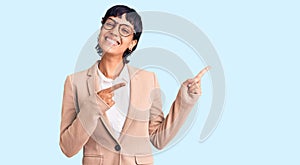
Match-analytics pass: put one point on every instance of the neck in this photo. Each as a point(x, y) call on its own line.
point(111, 66)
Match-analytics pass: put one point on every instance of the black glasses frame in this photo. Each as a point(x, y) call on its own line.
point(110, 27)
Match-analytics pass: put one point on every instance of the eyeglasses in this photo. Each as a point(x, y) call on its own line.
point(124, 30)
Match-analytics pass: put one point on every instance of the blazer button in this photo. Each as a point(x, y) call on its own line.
point(117, 147)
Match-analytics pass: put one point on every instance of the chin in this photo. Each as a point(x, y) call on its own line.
point(112, 52)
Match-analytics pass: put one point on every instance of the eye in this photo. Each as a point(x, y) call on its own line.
point(125, 30)
point(109, 25)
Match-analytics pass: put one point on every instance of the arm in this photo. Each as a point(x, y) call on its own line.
point(163, 130)
point(76, 128)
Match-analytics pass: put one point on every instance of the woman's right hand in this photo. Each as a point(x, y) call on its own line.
point(107, 94)
point(194, 84)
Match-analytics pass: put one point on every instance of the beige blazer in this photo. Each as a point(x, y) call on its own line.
point(85, 125)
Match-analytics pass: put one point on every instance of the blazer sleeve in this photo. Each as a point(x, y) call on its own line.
point(76, 128)
point(162, 130)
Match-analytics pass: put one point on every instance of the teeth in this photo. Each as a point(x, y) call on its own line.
point(113, 42)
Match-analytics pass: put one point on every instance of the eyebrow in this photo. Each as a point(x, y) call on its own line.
point(121, 23)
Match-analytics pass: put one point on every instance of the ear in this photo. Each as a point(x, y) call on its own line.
point(132, 44)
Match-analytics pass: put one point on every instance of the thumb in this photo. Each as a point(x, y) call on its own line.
point(188, 81)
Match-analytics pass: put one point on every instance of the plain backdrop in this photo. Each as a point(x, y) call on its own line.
point(257, 43)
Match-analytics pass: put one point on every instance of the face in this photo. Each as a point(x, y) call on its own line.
point(116, 36)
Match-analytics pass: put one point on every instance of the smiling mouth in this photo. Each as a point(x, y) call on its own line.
point(112, 41)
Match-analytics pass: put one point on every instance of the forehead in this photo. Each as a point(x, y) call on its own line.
point(121, 20)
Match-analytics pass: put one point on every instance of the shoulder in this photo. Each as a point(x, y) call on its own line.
point(78, 76)
point(83, 75)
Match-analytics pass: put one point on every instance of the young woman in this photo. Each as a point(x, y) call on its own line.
point(113, 110)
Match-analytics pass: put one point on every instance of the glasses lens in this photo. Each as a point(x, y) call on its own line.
point(109, 24)
point(125, 30)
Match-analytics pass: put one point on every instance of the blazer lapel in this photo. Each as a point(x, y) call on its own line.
point(93, 87)
point(133, 95)
point(92, 81)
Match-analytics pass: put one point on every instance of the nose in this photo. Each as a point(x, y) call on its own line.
point(115, 31)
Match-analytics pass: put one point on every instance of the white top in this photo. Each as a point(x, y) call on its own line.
point(118, 112)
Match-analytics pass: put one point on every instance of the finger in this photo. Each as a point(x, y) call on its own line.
point(202, 72)
point(111, 103)
point(194, 82)
point(109, 100)
point(191, 84)
point(195, 90)
point(104, 95)
point(111, 94)
point(115, 87)
point(107, 96)
point(194, 87)
point(188, 82)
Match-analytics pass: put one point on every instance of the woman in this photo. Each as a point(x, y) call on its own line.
point(113, 110)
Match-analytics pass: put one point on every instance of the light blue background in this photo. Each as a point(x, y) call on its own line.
point(257, 42)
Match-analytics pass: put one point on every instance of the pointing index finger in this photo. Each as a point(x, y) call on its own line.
point(202, 72)
point(117, 86)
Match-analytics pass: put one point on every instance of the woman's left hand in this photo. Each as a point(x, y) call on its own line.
point(194, 84)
